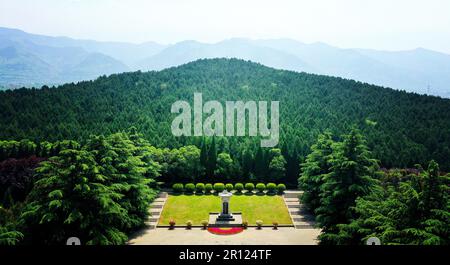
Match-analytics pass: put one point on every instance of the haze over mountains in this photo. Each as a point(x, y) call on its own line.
point(29, 59)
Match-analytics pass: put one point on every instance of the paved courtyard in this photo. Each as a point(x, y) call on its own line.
point(251, 236)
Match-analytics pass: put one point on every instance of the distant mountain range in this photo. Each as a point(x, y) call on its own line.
point(29, 59)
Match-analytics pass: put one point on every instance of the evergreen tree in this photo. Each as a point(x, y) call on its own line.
point(352, 175)
point(71, 199)
point(212, 159)
point(316, 167)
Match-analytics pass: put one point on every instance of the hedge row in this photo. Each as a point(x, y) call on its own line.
point(219, 187)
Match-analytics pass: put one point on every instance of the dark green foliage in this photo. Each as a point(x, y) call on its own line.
point(99, 193)
point(404, 212)
point(277, 165)
point(314, 171)
point(178, 187)
point(408, 128)
point(9, 234)
point(219, 187)
point(211, 159)
point(352, 175)
point(57, 208)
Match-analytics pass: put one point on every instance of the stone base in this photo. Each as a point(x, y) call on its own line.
point(216, 221)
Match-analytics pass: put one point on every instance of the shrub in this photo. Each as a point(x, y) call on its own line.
point(205, 224)
point(219, 187)
point(271, 187)
point(172, 223)
point(260, 187)
point(275, 224)
point(249, 187)
point(208, 188)
point(199, 188)
point(177, 187)
point(245, 224)
point(189, 224)
point(281, 188)
point(239, 187)
point(229, 187)
point(189, 187)
point(259, 223)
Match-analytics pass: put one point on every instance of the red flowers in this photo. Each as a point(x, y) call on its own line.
point(225, 231)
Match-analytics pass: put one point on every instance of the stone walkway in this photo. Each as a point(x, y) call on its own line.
point(251, 236)
point(156, 209)
point(300, 217)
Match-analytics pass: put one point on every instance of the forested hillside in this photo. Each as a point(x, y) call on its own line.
point(401, 128)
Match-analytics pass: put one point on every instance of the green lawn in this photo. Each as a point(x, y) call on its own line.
point(182, 208)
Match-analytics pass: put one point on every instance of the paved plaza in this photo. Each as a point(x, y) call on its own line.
point(251, 236)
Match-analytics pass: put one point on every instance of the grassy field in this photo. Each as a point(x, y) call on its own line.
point(196, 208)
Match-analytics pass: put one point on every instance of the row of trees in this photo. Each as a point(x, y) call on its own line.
point(98, 192)
point(353, 200)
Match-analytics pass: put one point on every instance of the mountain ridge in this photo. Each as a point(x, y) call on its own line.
point(419, 70)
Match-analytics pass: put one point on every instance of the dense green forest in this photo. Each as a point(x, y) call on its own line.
point(353, 200)
point(91, 156)
point(401, 128)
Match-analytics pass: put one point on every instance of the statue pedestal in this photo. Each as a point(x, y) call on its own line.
point(225, 218)
point(216, 221)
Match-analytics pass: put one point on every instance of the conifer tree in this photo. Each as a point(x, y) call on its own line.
point(71, 199)
point(352, 175)
point(314, 171)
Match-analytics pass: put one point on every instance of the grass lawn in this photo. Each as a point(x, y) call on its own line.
point(182, 208)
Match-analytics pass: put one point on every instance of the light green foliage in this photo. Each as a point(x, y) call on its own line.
point(260, 187)
point(281, 188)
point(249, 187)
point(239, 187)
point(182, 208)
point(219, 187)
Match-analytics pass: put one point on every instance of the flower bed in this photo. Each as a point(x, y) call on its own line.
point(225, 231)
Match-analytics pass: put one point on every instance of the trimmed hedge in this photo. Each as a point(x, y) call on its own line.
point(208, 188)
point(271, 187)
point(281, 188)
point(249, 187)
point(177, 187)
point(219, 187)
point(189, 188)
point(239, 187)
point(199, 188)
point(260, 187)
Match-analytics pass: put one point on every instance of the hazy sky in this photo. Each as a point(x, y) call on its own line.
point(379, 24)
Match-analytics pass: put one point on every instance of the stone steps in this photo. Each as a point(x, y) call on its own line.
point(292, 193)
point(155, 210)
point(300, 217)
point(157, 205)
